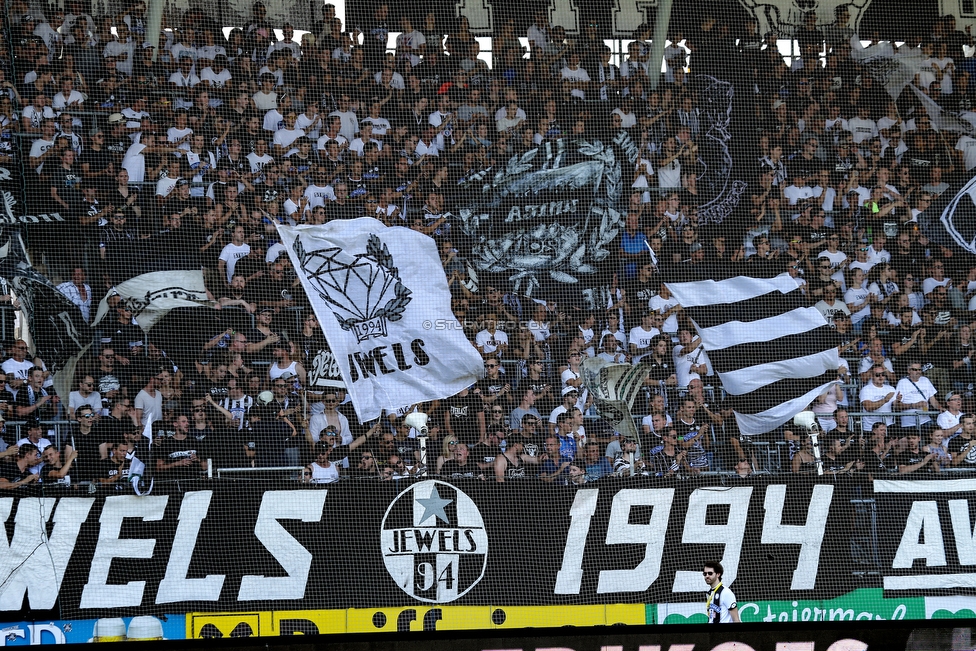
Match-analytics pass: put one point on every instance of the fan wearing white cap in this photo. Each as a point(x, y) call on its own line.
point(570, 397)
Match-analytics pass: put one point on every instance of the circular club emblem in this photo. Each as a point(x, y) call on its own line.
point(434, 542)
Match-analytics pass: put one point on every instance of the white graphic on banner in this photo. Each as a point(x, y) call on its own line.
point(434, 542)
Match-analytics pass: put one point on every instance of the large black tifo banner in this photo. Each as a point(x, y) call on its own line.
point(233, 546)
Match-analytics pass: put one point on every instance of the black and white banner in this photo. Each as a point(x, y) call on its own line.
point(151, 296)
point(382, 299)
point(247, 546)
point(771, 350)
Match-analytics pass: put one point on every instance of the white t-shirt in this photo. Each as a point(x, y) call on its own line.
point(319, 194)
point(660, 306)
point(150, 406)
point(682, 364)
point(855, 296)
point(862, 129)
point(967, 145)
point(489, 342)
point(257, 162)
point(642, 338)
point(949, 422)
point(910, 394)
point(410, 44)
point(284, 137)
point(231, 254)
point(874, 393)
point(579, 74)
point(17, 370)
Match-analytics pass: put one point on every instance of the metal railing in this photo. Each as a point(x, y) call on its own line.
point(256, 472)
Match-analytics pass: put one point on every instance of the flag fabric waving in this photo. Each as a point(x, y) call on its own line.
point(137, 469)
point(614, 387)
point(771, 351)
point(382, 299)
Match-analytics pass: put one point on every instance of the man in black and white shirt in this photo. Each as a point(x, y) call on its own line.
point(238, 404)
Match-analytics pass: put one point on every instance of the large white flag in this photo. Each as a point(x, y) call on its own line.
point(381, 296)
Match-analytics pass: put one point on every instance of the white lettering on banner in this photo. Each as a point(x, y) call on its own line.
point(808, 536)
point(97, 592)
point(730, 534)
point(306, 506)
point(4, 174)
point(570, 575)
point(651, 535)
point(566, 14)
point(923, 520)
point(37, 632)
point(962, 531)
point(628, 14)
point(175, 586)
point(18, 571)
point(478, 13)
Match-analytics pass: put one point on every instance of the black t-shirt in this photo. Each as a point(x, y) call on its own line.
point(483, 453)
point(660, 371)
point(269, 436)
point(27, 397)
point(86, 445)
point(172, 449)
point(118, 336)
point(98, 161)
point(902, 335)
point(205, 440)
point(106, 469)
point(464, 417)
point(112, 430)
point(909, 458)
point(65, 181)
point(50, 481)
point(452, 468)
point(492, 387)
point(10, 471)
point(957, 444)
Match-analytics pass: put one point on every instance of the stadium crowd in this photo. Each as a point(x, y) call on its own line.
point(183, 157)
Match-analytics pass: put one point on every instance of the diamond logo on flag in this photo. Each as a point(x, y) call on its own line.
point(364, 290)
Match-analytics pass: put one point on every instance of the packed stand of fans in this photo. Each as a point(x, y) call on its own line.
point(187, 157)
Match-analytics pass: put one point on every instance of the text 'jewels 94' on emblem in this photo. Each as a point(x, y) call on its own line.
point(363, 289)
point(434, 542)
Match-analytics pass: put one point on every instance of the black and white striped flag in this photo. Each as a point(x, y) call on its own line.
point(770, 349)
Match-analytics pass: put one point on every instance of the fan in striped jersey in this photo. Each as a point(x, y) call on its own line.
point(772, 351)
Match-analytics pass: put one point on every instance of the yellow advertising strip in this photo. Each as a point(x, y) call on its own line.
point(406, 619)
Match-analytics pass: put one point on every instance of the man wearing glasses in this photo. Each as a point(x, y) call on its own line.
point(33, 401)
point(878, 397)
point(85, 395)
point(87, 443)
point(937, 278)
point(495, 391)
point(916, 395)
point(17, 366)
point(721, 606)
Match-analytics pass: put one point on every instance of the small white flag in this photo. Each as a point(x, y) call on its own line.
point(136, 467)
point(136, 470)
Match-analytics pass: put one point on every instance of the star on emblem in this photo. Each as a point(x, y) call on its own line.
point(433, 506)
